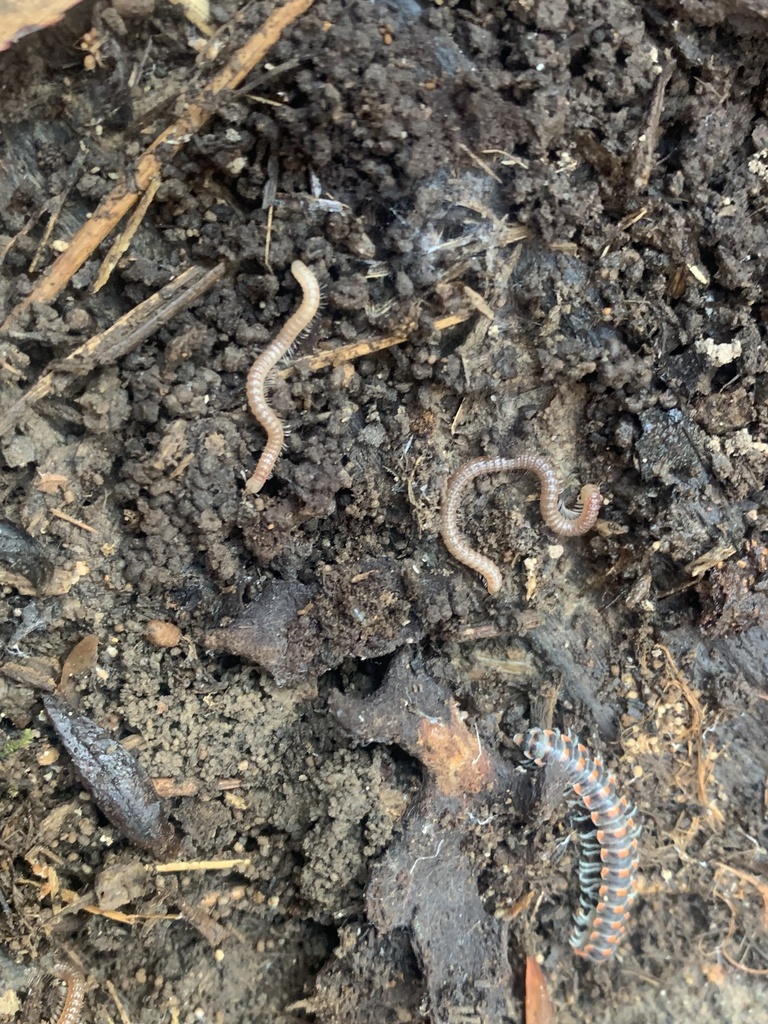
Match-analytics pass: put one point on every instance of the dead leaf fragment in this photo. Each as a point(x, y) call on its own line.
point(82, 658)
point(538, 1006)
point(50, 483)
point(120, 884)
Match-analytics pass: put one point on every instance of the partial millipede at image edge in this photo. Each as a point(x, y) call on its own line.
point(561, 520)
point(265, 363)
point(75, 982)
point(608, 867)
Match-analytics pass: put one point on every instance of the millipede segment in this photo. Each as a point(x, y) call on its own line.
point(609, 863)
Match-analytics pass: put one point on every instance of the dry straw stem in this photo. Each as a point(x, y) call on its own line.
point(67, 901)
point(174, 866)
point(114, 206)
point(120, 245)
point(125, 1019)
point(72, 521)
point(365, 347)
point(123, 336)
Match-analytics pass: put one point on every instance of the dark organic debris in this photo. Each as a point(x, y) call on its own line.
point(390, 992)
point(426, 882)
point(734, 595)
point(576, 648)
point(296, 632)
point(267, 630)
point(22, 554)
point(119, 785)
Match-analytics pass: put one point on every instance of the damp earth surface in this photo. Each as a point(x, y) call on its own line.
point(538, 227)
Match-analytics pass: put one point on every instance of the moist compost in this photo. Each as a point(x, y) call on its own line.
point(537, 227)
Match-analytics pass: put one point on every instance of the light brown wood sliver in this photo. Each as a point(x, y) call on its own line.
point(366, 347)
point(71, 520)
point(121, 243)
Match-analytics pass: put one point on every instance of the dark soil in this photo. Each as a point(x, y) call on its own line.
point(579, 190)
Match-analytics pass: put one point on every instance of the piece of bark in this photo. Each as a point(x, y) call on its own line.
point(426, 881)
point(296, 632)
point(121, 788)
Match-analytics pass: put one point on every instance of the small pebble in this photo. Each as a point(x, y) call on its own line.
point(162, 634)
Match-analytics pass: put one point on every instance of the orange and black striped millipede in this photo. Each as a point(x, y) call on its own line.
point(608, 867)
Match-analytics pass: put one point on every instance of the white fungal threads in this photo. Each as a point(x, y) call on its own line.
point(272, 354)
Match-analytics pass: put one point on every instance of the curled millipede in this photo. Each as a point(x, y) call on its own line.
point(608, 867)
point(564, 521)
point(257, 376)
point(73, 978)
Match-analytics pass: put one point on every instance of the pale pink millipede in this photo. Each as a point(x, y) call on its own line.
point(73, 1000)
point(561, 520)
point(272, 354)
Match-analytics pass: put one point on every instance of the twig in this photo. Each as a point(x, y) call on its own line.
point(123, 336)
point(114, 206)
point(171, 867)
point(71, 520)
point(366, 347)
point(642, 158)
point(121, 243)
point(480, 163)
point(117, 1001)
